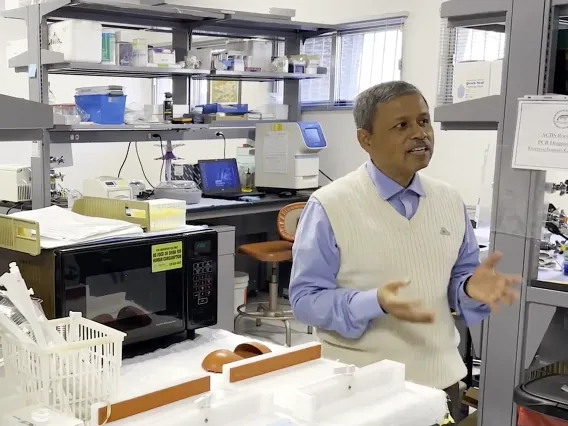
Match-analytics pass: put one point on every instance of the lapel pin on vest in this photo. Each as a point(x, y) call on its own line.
point(444, 231)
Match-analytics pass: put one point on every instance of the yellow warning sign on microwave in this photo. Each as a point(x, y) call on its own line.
point(167, 257)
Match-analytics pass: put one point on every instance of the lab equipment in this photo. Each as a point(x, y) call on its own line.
point(107, 187)
point(140, 52)
point(246, 165)
point(287, 155)
point(31, 366)
point(109, 47)
point(168, 108)
point(187, 191)
point(15, 183)
point(148, 287)
point(220, 179)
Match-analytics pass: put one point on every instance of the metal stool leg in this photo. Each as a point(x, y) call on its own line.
point(260, 308)
point(237, 318)
point(273, 289)
point(288, 333)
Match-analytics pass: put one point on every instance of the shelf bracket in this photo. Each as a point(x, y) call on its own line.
point(24, 60)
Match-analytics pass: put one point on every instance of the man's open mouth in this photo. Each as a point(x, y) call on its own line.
point(421, 150)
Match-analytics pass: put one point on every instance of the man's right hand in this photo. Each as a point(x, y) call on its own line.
point(404, 310)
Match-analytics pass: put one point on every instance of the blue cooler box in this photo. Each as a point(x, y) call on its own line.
point(102, 109)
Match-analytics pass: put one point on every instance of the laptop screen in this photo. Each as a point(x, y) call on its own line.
point(218, 176)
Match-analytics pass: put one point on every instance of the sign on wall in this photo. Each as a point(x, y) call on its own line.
point(541, 139)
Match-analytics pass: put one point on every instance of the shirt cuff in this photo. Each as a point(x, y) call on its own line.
point(365, 306)
point(464, 301)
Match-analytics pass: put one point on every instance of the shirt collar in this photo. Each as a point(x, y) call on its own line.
point(388, 188)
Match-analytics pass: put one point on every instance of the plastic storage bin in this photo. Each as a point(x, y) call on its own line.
point(71, 376)
point(102, 109)
point(241, 289)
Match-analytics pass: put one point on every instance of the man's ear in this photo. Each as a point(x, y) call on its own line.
point(364, 138)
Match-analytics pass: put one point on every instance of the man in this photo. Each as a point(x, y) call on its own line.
point(384, 254)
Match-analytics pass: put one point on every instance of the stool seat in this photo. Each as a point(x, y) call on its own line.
point(270, 251)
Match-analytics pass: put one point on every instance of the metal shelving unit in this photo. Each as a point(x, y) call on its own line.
point(182, 22)
point(15, 126)
point(532, 334)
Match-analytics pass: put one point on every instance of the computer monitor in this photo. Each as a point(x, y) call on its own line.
point(219, 176)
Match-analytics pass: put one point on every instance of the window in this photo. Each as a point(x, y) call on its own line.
point(358, 57)
point(198, 90)
point(479, 45)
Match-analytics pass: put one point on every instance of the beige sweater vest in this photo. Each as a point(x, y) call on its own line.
point(378, 245)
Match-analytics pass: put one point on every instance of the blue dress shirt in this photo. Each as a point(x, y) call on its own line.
point(314, 294)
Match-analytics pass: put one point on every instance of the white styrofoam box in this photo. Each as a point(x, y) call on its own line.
point(471, 80)
point(365, 385)
point(79, 41)
point(496, 77)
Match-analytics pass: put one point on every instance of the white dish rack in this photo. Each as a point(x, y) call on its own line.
point(69, 376)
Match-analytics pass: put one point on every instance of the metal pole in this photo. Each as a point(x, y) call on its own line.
point(518, 197)
point(39, 92)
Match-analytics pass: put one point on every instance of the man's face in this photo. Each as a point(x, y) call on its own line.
point(402, 140)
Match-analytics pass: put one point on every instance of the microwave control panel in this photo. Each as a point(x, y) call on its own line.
point(202, 282)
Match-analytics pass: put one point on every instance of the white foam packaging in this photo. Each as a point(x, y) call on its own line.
point(79, 41)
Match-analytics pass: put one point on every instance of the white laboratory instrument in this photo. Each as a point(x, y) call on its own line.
point(287, 155)
point(15, 183)
point(107, 187)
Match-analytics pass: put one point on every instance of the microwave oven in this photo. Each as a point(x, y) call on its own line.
point(148, 286)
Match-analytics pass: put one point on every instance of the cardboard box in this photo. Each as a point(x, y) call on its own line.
point(474, 80)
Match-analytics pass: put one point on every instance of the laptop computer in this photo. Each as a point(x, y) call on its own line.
point(220, 179)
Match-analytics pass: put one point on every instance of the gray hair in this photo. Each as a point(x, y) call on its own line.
point(366, 104)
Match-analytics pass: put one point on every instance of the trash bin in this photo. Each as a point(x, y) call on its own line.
point(543, 401)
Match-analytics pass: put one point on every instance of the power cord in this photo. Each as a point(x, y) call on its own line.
point(142, 166)
point(326, 176)
point(221, 135)
point(125, 158)
point(155, 135)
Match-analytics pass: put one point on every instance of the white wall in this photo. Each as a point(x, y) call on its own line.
point(458, 158)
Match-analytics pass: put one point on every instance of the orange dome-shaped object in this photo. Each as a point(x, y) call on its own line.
point(252, 349)
point(215, 361)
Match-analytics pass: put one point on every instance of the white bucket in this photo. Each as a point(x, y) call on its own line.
point(241, 288)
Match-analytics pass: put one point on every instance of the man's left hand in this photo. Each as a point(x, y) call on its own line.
point(490, 287)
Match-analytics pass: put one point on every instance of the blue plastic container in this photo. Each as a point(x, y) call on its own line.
point(102, 109)
point(227, 109)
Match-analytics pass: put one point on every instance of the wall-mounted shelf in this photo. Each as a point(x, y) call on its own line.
point(476, 114)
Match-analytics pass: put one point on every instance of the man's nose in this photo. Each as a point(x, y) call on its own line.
point(418, 132)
